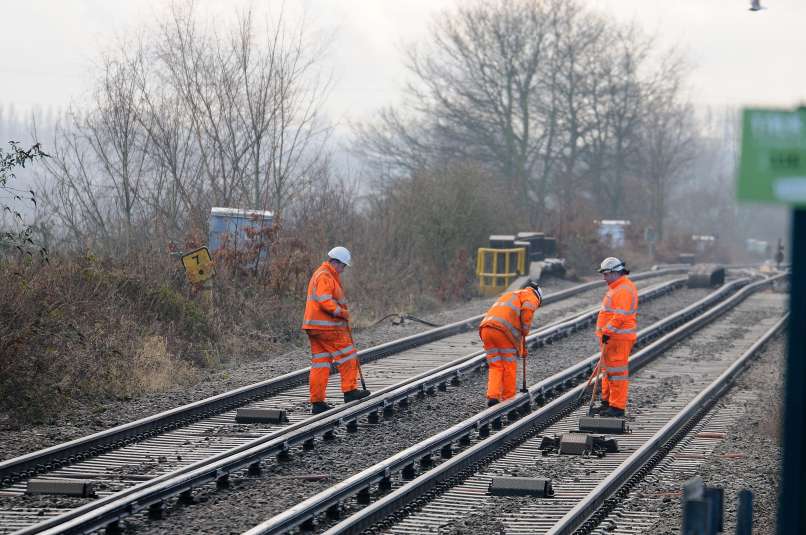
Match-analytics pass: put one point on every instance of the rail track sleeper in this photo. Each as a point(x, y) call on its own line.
point(563, 405)
point(155, 510)
point(255, 468)
point(475, 368)
point(333, 512)
point(363, 496)
point(186, 497)
point(408, 473)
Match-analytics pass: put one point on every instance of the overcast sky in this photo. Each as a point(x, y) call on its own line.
point(48, 47)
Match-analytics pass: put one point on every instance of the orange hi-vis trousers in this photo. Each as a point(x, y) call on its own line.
point(616, 378)
point(331, 347)
point(502, 364)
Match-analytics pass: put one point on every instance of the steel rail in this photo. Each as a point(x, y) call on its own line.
point(37, 462)
point(585, 515)
point(440, 444)
point(393, 506)
point(281, 441)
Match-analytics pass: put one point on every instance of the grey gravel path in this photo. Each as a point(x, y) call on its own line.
point(250, 500)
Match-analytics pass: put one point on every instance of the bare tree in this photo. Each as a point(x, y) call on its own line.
point(254, 107)
point(476, 82)
point(668, 136)
point(616, 103)
point(187, 117)
point(544, 93)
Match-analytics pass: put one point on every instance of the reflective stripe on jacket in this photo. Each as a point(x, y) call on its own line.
point(617, 317)
point(512, 314)
point(326, 307)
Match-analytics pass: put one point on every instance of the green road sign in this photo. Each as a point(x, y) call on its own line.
point(773, 161)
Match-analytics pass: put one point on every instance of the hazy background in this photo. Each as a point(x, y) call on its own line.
point(741, 57)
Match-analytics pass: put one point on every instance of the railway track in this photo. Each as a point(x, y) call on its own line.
point(432, 486)
point(278, 493)
point(122, 458)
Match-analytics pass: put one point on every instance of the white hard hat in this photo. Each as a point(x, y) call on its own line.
point(612, 265)
point(341, 254)
point(537, 289)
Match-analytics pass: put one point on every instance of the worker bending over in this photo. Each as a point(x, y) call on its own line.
point(503, 330)
point(327, 325)
point(616, 328)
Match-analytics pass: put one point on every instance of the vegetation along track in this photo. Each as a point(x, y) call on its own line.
point(125, 456)
point(166, 455)
point(452, 497)
point(284, 484)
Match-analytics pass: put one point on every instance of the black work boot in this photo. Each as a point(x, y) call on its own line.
point(601, 408)
point(353, 395)
point(319, 407)
point(491, 402)
point(612, 412)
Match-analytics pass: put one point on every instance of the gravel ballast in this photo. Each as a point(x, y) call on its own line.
point(20, 438)
point(251, 500)
point(749, 457)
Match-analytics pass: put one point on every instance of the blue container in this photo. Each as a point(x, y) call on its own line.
point(228, 226)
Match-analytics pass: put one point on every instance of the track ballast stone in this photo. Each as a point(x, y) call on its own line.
point(251, 500)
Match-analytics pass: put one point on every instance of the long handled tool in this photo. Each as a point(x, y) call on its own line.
point(593, 394)
point(357, 360)
point(523, 357)
point(595, 373)
point(596, 379)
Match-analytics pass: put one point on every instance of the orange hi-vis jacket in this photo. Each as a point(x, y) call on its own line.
point(326, 308)
point(619, 307)
point(512, 314)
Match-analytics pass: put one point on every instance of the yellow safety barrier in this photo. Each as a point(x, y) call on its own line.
point(497, 268)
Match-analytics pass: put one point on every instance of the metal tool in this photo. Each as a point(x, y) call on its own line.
point(523, 357)
point(596, 378)
point(357, 359)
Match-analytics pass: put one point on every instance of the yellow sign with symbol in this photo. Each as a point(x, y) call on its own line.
point(198, 265)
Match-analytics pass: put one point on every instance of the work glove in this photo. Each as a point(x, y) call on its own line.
point(605, 338)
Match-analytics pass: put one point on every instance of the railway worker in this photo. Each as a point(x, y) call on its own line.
point(503, 331)
point(327, 325)
point(616, 328)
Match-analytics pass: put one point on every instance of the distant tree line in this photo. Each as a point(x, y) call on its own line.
point(518, 114)
point(184, 118)
point(576, 116)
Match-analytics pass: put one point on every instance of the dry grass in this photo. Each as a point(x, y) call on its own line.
point(155, 369)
